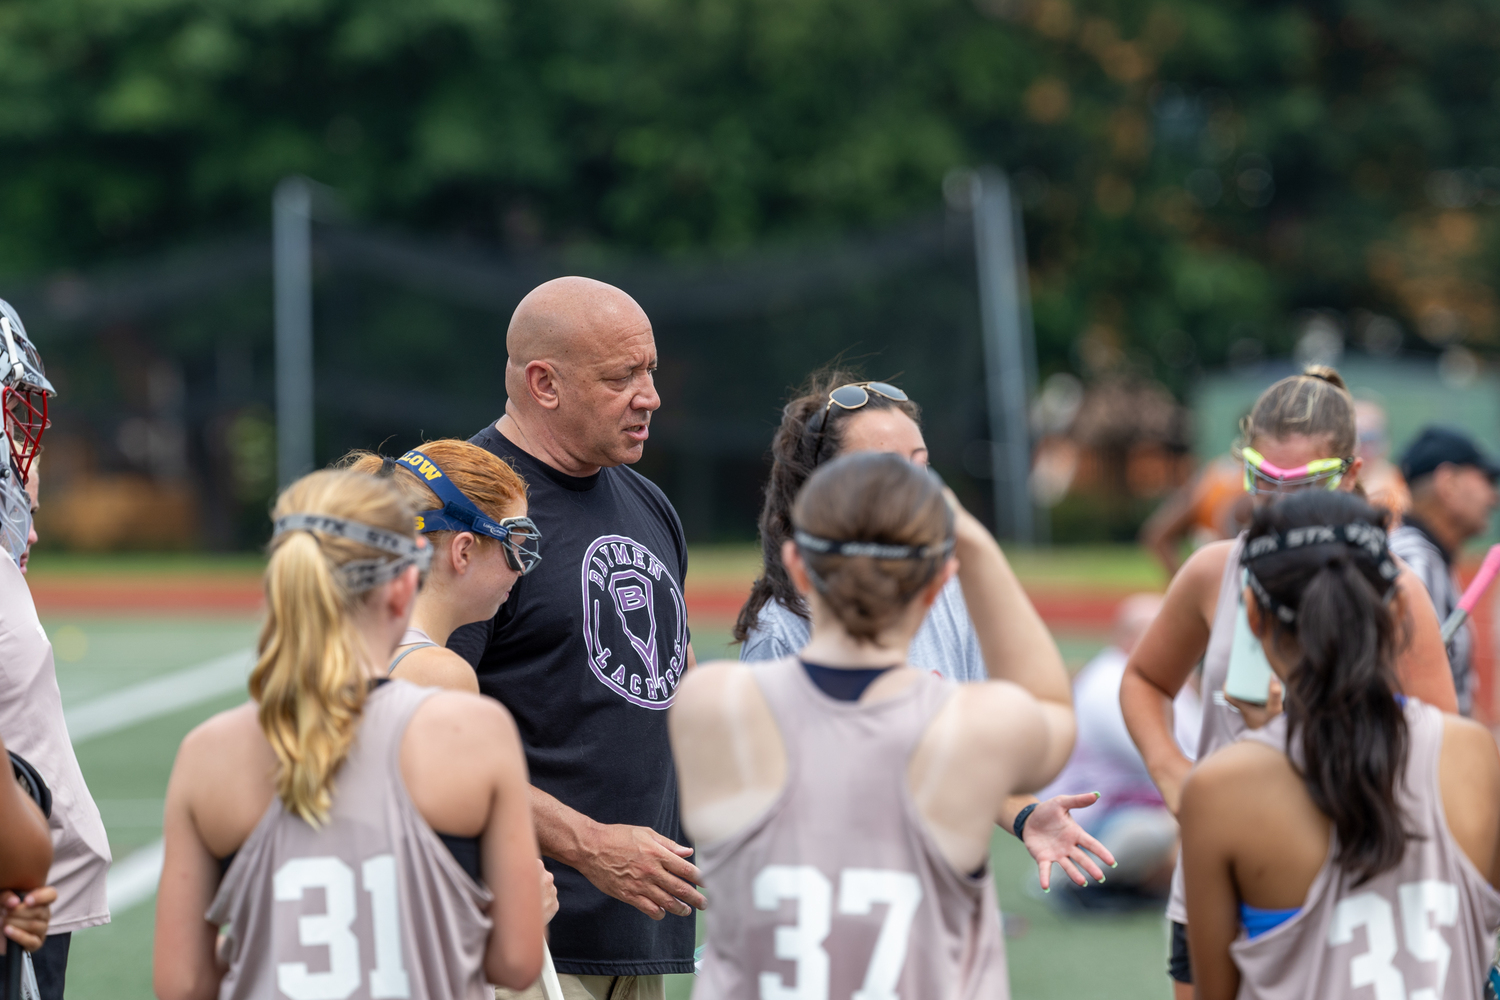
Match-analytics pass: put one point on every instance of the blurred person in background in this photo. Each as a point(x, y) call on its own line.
point(25, 857)
point(1210, 507)
point(839, 414)
point(588, 650)
point(1130, 819)
point(1383, 483)
point(31, 711)
point(1300, 435)
point(340, 828)
point(1452, 497)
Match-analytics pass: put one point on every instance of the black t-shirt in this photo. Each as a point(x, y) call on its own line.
point(586, 654)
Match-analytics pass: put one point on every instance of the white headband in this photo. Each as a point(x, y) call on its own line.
point(363, 574)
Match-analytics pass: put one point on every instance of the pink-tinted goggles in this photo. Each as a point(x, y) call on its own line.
point(1261, 476)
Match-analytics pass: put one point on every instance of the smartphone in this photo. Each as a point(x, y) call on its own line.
point(1249, 675)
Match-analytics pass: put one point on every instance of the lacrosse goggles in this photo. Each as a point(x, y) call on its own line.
point(1263, 477)
point(518, 536)
point(24, 391)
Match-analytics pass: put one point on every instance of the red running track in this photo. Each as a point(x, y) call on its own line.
point(236, 596)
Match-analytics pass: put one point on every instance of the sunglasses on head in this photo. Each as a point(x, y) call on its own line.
point(1261, 476)
point(852, 397)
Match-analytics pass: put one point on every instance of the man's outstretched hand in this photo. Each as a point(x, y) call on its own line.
point(1053, 836)
point(639, 866)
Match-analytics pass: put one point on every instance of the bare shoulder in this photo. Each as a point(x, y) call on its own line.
point(1472, 748)
point(461, 715)
point(1235, 775)
point(715, 701)
point(997, 715)
point(228, 733)
point(703, 689)
point(1205, 567)
point(438, 667)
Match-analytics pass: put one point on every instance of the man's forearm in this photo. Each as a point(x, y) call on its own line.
point(562, 833)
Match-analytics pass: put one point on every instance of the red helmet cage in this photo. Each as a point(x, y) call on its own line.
point(25, 420)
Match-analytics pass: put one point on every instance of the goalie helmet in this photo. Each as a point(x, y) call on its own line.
point(24, 391)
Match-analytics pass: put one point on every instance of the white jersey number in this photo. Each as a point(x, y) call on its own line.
point(1425, 906)
point(333, 929)
point(859, 890)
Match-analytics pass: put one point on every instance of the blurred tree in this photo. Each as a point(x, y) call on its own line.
point(1194, 171)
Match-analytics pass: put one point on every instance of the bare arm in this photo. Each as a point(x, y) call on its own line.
point(513, 956)
point(25, 843)
point(1422, 664)
point(1212, 900)
point(634, 864)
point(1162, 663)
point(184, 966)
point(1012, 637)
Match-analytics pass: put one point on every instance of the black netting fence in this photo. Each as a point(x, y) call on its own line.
point(164, 429)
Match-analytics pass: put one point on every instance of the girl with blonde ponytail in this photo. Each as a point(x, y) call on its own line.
point(304, 823)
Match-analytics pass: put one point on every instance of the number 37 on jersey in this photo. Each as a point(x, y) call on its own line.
point(859, 890)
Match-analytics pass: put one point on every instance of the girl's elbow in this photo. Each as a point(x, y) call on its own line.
point(515, 968)
point(172, 982)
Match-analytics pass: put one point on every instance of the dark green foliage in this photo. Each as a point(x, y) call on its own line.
point(1194, 170)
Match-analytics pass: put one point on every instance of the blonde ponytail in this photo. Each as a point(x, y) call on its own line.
point(308, 679)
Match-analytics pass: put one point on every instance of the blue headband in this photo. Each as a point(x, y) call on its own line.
point(458, 513)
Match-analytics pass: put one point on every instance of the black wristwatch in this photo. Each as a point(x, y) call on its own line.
point(1019, 826)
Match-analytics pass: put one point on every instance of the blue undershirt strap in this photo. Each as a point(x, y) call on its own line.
point(1258, 921)
point(842, 683)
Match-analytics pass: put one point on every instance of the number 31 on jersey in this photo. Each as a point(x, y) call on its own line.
point(333, 929)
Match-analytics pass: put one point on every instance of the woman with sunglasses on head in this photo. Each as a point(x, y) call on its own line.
point(471, 506)
point(1349, 848)
point(840, 415)
point(843, 800)
point(1300, 435)
point(345, 835)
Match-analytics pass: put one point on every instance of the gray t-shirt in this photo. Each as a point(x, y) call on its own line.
point(1430, 563)
point(945, 644)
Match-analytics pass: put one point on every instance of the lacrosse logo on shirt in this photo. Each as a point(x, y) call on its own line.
point(635, 621)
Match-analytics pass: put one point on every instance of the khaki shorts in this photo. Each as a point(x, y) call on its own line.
point(594, 988)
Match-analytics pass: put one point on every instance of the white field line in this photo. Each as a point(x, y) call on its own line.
point(132, 880)
point(161, 696)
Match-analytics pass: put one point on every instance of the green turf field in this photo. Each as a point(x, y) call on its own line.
point(127, 768)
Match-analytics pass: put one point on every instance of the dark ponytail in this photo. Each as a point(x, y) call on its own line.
point(803, 433)
point(1320, 571)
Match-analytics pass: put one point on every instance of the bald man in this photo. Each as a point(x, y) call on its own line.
point(588, 650)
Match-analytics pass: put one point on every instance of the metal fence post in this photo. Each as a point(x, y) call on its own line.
point(292, 276)
point(1004, 310)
